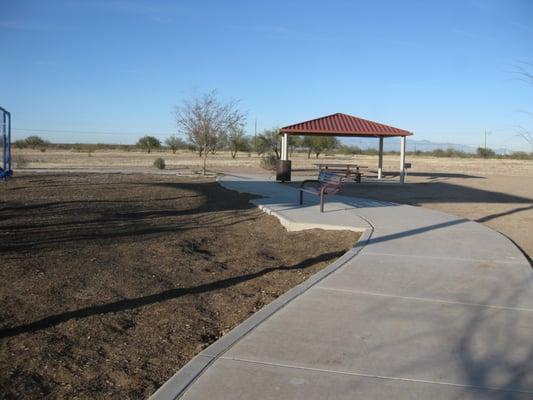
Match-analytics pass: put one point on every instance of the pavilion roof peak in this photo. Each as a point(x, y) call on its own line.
point(340, 124)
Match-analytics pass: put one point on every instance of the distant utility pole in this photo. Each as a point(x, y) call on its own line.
point(486, 133)
point(255, 127)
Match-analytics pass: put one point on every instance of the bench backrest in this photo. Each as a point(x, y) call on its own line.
point(330, 179)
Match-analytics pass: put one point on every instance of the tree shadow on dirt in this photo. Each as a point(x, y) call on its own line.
point(440, 192)
point(129, 304)
point(44, 225)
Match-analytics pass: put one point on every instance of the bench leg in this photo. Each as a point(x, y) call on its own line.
point(321, 202)
point(301, 197)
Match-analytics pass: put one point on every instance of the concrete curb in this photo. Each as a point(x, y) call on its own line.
point(179, 382)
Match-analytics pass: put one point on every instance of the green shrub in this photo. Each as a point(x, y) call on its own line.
point(159, 163)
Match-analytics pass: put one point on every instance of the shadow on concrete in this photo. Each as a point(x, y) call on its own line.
point(493, 348)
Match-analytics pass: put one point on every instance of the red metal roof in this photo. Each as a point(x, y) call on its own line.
point(343, 125)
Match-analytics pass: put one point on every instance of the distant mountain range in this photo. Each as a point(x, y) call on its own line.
point(393, 144)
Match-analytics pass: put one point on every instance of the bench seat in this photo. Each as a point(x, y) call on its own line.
point(327, 183)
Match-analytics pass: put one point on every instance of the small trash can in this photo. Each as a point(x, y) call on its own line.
point(283, 170)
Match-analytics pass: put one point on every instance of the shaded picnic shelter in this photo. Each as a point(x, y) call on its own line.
point(344, 125)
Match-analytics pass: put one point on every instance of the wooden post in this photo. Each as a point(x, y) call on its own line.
point(402, 159)
point(380, 158)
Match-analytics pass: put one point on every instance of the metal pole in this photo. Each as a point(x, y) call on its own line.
point(285, 147)
point(9, 143)
point(4, 141)
point(402, 159)
point(380, 158)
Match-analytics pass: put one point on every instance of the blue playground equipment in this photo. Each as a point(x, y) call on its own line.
point(5, 168)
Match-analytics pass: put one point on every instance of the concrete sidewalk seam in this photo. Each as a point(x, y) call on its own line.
point(285, 299)
point(363, 375)
point(477, 353)
point(426, 299)
point(370, 253)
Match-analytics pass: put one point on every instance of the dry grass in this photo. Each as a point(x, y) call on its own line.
point(102, 159)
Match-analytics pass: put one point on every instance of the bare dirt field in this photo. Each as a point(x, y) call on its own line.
point(112, 282)
point(496, 192)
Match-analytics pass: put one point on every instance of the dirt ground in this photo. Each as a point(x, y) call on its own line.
point(496, 192)
point(112, 282)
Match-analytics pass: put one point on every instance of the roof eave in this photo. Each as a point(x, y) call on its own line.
point(347, 134)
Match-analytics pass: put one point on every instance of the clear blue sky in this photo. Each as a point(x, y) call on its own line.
point(443, 69)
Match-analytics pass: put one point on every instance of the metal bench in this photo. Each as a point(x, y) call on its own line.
point(346, 170)
point(327, 183)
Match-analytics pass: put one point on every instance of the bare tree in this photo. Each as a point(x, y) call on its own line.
point(237, 141)
point(270, 142)
point(318, 144)
point(174, 143)
point(206, 120)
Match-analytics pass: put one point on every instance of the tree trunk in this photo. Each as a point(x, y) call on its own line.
point(317, 154)
point(233, 153)
point(308, 154)
point(173, 151)
point(205, 162)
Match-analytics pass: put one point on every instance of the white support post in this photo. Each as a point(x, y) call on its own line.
point(380, 158)
point(285, 147)
point(402, 159)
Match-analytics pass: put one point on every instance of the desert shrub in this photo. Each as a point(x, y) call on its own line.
point(449, 152)
point(370, 152)
point(20, 144)
point(349, 150)
point(159, 163)
point(484, 152)
point(520, 155)
point(268, 162)
point(42, 149)
point(85, 148)
point(36, 141)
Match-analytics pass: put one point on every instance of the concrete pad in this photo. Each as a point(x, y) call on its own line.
point(466, 281)
point(428, 305)
point(397, 337)
point(245, 380)
point(441, 242)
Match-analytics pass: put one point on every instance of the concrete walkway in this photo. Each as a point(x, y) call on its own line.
point(426, 306)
